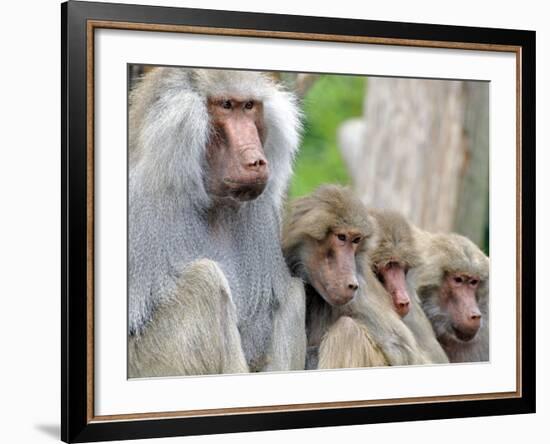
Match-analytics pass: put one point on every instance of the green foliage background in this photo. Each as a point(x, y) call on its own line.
point(331, 100)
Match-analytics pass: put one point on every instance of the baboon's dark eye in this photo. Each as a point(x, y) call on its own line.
point(342, 237)
point(356, 240)
point(458, 279)
point(226, 104)
point(474, 282)
point(249, 104)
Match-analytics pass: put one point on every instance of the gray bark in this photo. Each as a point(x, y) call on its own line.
point(422, 148)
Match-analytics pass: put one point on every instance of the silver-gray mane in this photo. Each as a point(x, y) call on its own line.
point(173, 221)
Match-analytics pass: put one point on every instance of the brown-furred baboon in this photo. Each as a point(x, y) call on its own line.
point(394, 252)
point(210, 154)
point(452, 283)
point(392, 255)
point(350, 321)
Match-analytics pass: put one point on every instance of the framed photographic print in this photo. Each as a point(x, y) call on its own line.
point(276, 221)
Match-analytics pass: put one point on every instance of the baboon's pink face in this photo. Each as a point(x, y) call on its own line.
point(458, 298)
point(237, 164)
point(392, 275)
point(332, 268)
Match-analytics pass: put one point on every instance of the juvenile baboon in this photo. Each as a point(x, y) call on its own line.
point(210, 156)
point(350, 321)
point(452, 283)
point(393, 253)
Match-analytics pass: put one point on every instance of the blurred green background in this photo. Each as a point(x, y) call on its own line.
point(329, 102)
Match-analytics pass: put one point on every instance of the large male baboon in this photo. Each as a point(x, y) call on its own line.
point(210, 156)
point(350, 321)
point(452, 283)
point(393, 253)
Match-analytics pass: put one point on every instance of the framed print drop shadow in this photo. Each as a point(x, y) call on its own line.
point(277, 221)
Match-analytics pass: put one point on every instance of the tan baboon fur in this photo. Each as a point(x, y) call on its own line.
point(443, 253)
point(395, 241)
point(369, 317)
point(360, 349)
point(162, 352)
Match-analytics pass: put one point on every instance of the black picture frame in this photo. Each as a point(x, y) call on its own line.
point(77, 421)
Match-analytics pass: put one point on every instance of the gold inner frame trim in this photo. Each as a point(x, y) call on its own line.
point(96, 24)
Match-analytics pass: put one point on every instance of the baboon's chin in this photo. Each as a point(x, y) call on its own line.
point(248, 192)
point(342, 302)
point(461, 336)
point(329, 296)
point(337, 301)
point(243, 190)
point(234, 195)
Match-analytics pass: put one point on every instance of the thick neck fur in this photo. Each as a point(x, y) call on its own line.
point(243, 240)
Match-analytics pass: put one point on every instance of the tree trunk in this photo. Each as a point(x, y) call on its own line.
point(422, 148)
